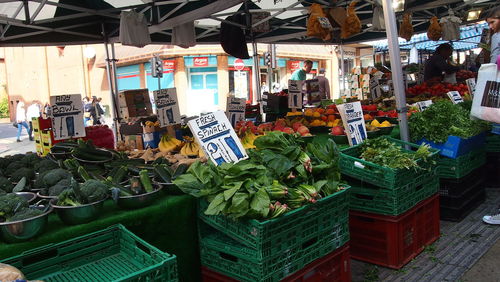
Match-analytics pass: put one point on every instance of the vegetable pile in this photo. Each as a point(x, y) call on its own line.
point(281, 174)
point(385, 153)
point(14, 207)
point(443, 119)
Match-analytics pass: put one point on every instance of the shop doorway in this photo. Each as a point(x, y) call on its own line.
point(203, 93)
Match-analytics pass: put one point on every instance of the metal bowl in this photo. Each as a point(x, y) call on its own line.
point(94, 162)
point(78, 215)
point(42, 196)
point(22, 230)
point(170, 188)
point(28, 196)
point(139, 201)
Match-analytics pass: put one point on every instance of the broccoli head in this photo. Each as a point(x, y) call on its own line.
point(30, 160)
point(45, 165)
point(93, 190)
point(10, 203)
point(6, 185)
point(39, 184)
point(13, 167)
point(68, 198)
point(23, 172)
point(60, 186)
point(52, 177)
point(25, 214)
point(4, 162)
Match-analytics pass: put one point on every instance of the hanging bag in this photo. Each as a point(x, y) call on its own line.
point(486, 102)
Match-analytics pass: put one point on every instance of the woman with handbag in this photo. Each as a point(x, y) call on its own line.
point(21, 121)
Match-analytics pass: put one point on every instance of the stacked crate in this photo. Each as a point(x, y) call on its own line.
point(461, 175)
point(274, 249)
point(43, 140)
point(394, 212)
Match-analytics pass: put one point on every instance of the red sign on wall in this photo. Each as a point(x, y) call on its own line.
point(200, 61)
point(293, 65)
point(239, 64)
point(169, 64)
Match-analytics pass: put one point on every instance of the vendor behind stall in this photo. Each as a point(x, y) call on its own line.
point(438, 63)
point(300, 74)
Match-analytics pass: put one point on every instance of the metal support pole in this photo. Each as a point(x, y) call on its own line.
point(397, 69)
point(114, 108)
point(257, 73)
point(342, 68)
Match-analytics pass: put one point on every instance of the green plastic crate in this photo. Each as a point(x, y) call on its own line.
point(277, 235)
point(493, 143)
point(112, 254)
point(461, 166)
point(225, 255)
point(374, 199)
point(351, 165)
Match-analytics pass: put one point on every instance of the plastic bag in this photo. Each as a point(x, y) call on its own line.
point(451, 26)
point(318, 24)
point(352, 24)
point(10, 273)
point(378, 22)
point(486, 102)
point(435, 31)
point(406, 29)
point(134, 29)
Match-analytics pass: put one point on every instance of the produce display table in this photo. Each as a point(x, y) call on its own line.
point(168, 224)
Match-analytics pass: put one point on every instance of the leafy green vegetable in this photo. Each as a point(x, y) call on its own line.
point(443, 119)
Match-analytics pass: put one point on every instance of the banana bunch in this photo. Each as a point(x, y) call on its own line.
point(247, 140)
point(150, 123)
point(191, 148)
point(169, 144)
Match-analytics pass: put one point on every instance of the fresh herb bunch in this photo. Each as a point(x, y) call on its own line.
point(281, 174)
point(443, 119)
point(385, 153)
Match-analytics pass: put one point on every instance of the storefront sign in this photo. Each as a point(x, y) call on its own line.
point(167, 107)
point(67, 116)
point(239, 64)
point(217, 138)
point(354, 123)
point(293, 65)
point(422, 105)
point(169, 64)
point(295, 94)
point(200, 61)
point(471, 84)
point(455, 97)
point(235, 109)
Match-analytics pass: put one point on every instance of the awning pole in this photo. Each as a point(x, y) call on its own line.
point(396, 67)
point(113, 109)
point(342, 68)
point(257, 74)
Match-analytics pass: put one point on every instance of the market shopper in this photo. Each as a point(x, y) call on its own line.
point(21, 121)
point(324, 84)
point(439, 64)
point(300, 74)
point(34, 111)
point(96, 111)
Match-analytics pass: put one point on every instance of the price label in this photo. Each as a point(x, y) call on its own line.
point(354, 122)
point(375, 90)
point(422, 105)
point(235, 109)
point(455, 97)
point(167, 107)
point(471, 85)
point(67, 116)
point(295, 94)
point(216, 136)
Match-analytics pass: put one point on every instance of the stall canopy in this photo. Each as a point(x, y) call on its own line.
point(43, 22)
point(470, 38)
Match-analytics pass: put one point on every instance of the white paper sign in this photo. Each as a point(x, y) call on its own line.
point(422, 105)
point(235, 109)
point(455, 97)
point(375, 90)
point(313, 94)
point(471, 84)
point(67, 116)
point(354, 122)
point(217, 138)
point(167, 107)
point(295, 94)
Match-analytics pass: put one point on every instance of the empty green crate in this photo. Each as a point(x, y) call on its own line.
point(112, 254)
point(275, 235)
point(388, 201)
point(461, 166)
point(225, 255)
point(351, 165)
point(493, 143)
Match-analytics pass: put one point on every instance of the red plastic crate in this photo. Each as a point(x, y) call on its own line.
point(335, 266)
point(392, 241)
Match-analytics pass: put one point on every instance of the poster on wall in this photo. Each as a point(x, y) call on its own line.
point(235, 109)
point(295, 94)
point(217, 137)
point(167, 107)
point(67, 116)
point(354, 122)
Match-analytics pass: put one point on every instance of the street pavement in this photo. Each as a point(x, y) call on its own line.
point(8, 144)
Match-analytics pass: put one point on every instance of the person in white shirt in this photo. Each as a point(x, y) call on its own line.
point(33, 112)
point(324, 84)
point(21, 121)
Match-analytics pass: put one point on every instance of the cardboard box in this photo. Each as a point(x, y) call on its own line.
point(135, 141)
point(134, 103)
